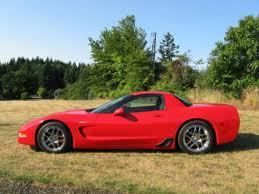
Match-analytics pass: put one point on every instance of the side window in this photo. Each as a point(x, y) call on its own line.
point(145, 103)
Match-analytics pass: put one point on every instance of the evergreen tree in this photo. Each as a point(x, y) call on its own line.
point(168, 49)
point(23, 76)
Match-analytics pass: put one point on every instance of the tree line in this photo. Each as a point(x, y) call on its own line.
point(122, 63)
point(21, 78)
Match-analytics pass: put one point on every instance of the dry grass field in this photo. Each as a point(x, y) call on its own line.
point(249, 100)
point(232, 168)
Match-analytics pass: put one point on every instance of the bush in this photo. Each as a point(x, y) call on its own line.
point(42, 92)
point(24, 96)
point(58, 93)
point(50, 93)
point(168, 86)
point(76, 91)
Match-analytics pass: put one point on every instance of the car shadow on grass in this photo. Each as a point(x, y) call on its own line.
point(122, 151)
point(244, 142)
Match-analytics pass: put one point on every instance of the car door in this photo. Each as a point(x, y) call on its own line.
point(152, 126)
point(144, 124)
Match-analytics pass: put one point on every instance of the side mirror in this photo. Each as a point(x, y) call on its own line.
point(119, 112)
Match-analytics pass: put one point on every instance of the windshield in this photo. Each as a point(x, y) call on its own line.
point(111, 106)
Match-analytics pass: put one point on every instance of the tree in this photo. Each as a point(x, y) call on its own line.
point(10, 86)
point(27, 75)
point(27, 78)
point(233, 64)
point(15, 83)
point(51, 75)
point(122, 62)
point(168, 49)
point(178, 75)
point(2, 72)
point(71, 74)
point(81, 88)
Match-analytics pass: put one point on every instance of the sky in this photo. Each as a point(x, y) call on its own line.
point(60, 28)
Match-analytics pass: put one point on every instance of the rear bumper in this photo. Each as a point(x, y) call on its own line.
point(228, 130)
point(227, 137)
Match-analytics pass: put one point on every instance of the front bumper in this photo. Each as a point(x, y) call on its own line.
point(26, 134)
point(25, 137)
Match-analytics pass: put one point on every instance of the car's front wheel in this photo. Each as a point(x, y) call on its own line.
point(196, 137)
point(54, 137)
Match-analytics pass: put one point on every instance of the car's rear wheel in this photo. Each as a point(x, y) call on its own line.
point(196, 137)
point(54, 137)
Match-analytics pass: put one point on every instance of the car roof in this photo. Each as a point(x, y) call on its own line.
point(150, 92)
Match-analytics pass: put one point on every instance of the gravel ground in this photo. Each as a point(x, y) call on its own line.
point(10, 186)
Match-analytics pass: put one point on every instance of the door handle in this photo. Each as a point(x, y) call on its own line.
point(157, 115)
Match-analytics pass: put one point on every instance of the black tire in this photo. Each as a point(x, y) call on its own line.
point(35, 148)
point(196, 143)
point(63, 132)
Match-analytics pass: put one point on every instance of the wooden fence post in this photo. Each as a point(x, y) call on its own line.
point(195, 93)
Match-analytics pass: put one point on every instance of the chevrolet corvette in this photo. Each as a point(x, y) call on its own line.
point(142, 120)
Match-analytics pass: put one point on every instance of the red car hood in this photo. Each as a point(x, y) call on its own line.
point(71, 112)
point(56, 115)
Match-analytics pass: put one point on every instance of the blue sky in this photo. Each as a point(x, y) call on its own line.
point(60, 28)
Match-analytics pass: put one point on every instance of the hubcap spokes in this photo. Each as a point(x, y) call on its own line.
point(52, 138)
point(196, 138)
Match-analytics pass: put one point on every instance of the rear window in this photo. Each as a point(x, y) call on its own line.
point(184, 101)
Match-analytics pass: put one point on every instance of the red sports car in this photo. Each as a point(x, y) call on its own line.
point(142, 120)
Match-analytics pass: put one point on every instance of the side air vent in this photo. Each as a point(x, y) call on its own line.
point(166, 142)
point(81, 130)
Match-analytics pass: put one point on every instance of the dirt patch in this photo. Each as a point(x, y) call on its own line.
point(10, 186)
